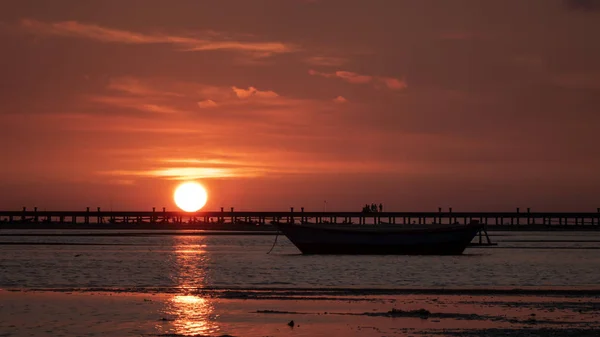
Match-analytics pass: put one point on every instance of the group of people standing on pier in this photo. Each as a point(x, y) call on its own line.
point(372, 208)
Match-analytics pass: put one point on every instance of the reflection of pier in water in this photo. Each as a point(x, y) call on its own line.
point(252, 220)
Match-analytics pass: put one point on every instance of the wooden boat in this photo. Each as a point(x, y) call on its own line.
point(380, 240)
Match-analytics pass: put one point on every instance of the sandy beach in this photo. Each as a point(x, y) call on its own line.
point(83, 313)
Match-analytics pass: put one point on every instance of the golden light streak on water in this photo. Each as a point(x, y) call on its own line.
point(190, 314)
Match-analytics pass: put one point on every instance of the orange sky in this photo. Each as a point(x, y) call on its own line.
point(476, 105)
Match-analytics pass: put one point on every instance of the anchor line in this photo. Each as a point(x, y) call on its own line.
point(274, 243)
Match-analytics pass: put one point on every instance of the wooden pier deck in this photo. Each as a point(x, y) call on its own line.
point(227, 219)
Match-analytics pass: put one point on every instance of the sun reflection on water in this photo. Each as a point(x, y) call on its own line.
point(194, 315)
point(190, 314)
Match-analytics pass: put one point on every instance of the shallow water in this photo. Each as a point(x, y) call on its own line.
point(521, 259)
point(127, 314)
point(188, 284)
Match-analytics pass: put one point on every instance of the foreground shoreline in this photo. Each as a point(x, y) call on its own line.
point(90, 313)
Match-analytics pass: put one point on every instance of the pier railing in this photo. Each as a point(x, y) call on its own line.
point(98, 216)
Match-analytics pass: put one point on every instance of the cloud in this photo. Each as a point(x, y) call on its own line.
point(210, 41)
point(136, 104)
point(134, 86)
point(394, 83)
point(347, 76)
point(340, 99)
point(354, 78)
point(186, 173)
point(325, 61)
point(318, 73)
point(126, 182)
point(160, 96)
point(209, 103)
point(253, 92)
point(250, 164)
point(161, 99)
point(173, 114)
point(117, 123)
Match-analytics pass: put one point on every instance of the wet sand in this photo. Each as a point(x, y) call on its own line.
point(123, 313)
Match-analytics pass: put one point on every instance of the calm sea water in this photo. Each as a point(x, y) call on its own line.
point(522, 259)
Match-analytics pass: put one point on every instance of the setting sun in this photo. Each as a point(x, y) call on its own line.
point(190, 196)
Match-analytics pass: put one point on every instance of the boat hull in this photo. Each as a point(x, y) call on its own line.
point(314, 239)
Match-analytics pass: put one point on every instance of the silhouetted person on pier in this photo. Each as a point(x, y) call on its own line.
point(373, 208)
point(366, 209)
point(380, 207)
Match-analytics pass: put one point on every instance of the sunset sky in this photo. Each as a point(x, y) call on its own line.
point(475, 105)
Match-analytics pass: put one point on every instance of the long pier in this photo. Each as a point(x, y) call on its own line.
point(227, 219)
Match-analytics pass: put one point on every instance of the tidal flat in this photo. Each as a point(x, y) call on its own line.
point(123, 313)
point(90, 284)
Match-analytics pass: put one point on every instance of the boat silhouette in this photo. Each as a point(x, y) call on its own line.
point(380, 239)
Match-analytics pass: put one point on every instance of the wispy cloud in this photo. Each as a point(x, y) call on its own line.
point(340, 99)
point(185, 173)
point(134, 86)
point(393, 83)
point(253, 92)
point(165, 106)
point(168, 97)
point(355, 78)
point(325, 61)
point(208, 103)
point(145, 105)
point(263, 133)
point(116, 123)
point(205, 42)
point(125, 182)
point(248, 165)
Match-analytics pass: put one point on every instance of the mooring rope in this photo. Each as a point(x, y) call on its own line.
point(274, 243)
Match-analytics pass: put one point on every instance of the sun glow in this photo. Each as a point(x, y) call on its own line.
point(190, 196)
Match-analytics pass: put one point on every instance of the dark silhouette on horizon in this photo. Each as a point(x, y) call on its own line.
point(372, 208)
